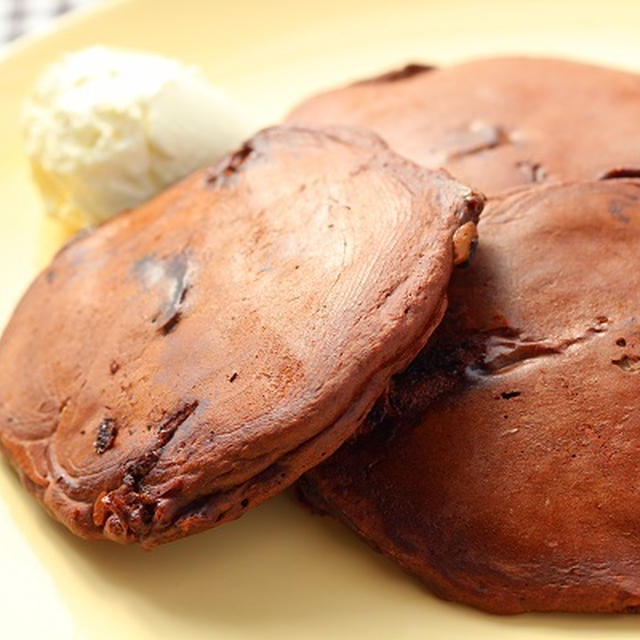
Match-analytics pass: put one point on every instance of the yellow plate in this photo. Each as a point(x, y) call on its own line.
point(279, 572)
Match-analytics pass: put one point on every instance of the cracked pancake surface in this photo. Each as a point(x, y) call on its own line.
point(497, 123)
point(190, 358)
point(503, 472)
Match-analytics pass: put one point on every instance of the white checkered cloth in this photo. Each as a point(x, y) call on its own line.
point(18, 17)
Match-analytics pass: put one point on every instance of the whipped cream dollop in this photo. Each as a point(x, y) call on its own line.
point(107, 129)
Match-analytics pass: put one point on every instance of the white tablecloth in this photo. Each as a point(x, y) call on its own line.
point(18, 17)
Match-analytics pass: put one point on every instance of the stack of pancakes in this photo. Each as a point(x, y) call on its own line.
point(309, 308)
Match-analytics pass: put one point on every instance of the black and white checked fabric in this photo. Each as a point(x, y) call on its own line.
point(18, 17)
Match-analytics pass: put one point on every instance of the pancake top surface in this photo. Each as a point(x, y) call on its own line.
point(497, 123)
point(192, 357)
point(510, 482)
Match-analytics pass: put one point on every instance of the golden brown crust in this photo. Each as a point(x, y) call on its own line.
point(500, 122)
point(504, 472)
point(190, 358)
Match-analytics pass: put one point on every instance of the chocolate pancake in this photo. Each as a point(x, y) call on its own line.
point(500, 122)
point(504, 471)
point(193, 357)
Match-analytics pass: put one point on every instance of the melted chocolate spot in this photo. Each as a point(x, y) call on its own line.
point(107, 432)
point(408, 71)
point(620, 172)
point(167, 429)
point(627, 363)
point(170, 324)
point(507, 395)
point(221, 174)
point(169, 277)
point(534, 171)
point(136, 470)
point(476, 139)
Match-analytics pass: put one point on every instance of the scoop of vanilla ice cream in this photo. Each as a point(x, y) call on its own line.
point(106, 129)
